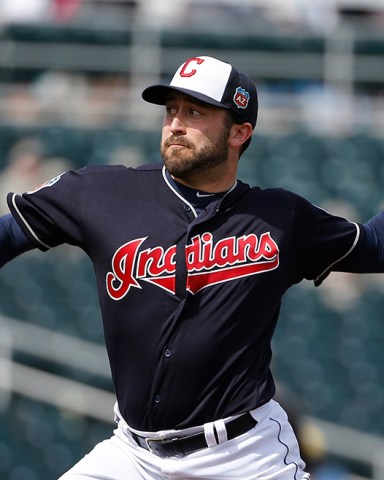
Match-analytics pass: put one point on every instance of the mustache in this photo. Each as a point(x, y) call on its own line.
point(179, 140)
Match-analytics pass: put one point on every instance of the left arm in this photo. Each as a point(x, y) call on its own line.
point(368, 255)
point(13, 241)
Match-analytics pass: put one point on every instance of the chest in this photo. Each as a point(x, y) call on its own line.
point(183, 253)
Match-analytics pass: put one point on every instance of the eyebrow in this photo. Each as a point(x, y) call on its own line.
point(192, 100)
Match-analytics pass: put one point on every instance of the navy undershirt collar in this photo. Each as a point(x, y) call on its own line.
point(197, 198)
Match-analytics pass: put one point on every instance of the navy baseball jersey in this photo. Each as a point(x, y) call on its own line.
point(189, 301)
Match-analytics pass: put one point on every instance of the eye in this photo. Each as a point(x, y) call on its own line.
point(195, 113)
point(171, 111)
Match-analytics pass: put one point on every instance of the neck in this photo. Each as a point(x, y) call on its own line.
point(199, 199)
point(215, 182)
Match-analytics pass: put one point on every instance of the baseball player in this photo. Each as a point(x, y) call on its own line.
point(191, 265)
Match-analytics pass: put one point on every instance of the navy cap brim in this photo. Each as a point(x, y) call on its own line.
point(158, 94)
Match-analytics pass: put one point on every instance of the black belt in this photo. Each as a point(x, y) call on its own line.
point(185, 445)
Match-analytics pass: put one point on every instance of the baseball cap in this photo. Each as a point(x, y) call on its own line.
point(211, 81)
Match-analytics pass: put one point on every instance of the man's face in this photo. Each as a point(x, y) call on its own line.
point(194, 137)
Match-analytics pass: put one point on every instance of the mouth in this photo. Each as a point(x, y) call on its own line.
point(172, 142)
point(177, 145)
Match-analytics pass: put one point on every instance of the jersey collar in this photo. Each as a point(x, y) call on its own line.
point(198, 199)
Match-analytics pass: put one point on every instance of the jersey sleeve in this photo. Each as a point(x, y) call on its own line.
point(320, 240)
point(13, 242)
point(368, 256)
point(51, 214)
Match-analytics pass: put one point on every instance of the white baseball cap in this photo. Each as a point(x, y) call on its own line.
point(211, 81)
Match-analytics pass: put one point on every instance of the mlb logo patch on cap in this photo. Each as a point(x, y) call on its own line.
point(211, 81)
point(241, 97)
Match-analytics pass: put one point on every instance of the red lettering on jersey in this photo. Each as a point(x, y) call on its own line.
point(121, 280)
point(184, 72)
point(153, 263)
point(198, 281)
point(166, 283)
point(207, 263)
point(230, 259)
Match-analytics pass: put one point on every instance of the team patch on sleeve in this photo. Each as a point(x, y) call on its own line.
point(49, 183)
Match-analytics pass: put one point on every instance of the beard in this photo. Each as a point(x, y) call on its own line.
point(191, 164)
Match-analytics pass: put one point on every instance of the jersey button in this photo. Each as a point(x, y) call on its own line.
point(157, 399)
point(187, 208)
point(167, 352)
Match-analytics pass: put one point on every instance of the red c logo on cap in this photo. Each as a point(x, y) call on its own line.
point(184, 73)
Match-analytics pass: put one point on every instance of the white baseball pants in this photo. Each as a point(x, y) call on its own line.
point(269, 451)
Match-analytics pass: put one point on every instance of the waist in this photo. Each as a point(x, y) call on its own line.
point(179, 443)
point(180, 446)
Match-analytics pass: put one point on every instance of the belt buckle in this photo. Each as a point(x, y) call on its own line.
point(161, 451)
point(147, 440)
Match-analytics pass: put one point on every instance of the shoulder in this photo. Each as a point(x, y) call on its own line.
point(281, 195)
point(275, 195)
point(101, 174)
point(97, 170)
point(283, 204)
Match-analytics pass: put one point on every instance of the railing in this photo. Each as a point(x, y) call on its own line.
point(158, 52)
point(342, 60)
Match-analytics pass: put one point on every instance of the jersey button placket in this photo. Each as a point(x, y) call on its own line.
point(167, 354)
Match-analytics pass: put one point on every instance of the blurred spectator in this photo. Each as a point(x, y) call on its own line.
point(27, 167)
point(24, 168)
point(23, 11)
point(61, 95)
point(63, 11)
point(152, 12)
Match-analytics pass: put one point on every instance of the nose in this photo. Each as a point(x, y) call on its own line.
point(177, 126)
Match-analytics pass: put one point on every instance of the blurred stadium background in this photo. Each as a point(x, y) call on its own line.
point(71, 75)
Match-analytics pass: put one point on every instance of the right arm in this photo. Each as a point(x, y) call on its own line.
point(13, 240)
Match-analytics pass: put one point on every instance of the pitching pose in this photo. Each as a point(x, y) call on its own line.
point(191, 265)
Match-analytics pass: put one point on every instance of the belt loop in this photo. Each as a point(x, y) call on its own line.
point(209, 433)
point(221, 431)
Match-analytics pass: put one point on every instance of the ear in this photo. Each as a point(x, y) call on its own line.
point(239, 134)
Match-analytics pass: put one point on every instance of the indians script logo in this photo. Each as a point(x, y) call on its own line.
point(207, 263)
